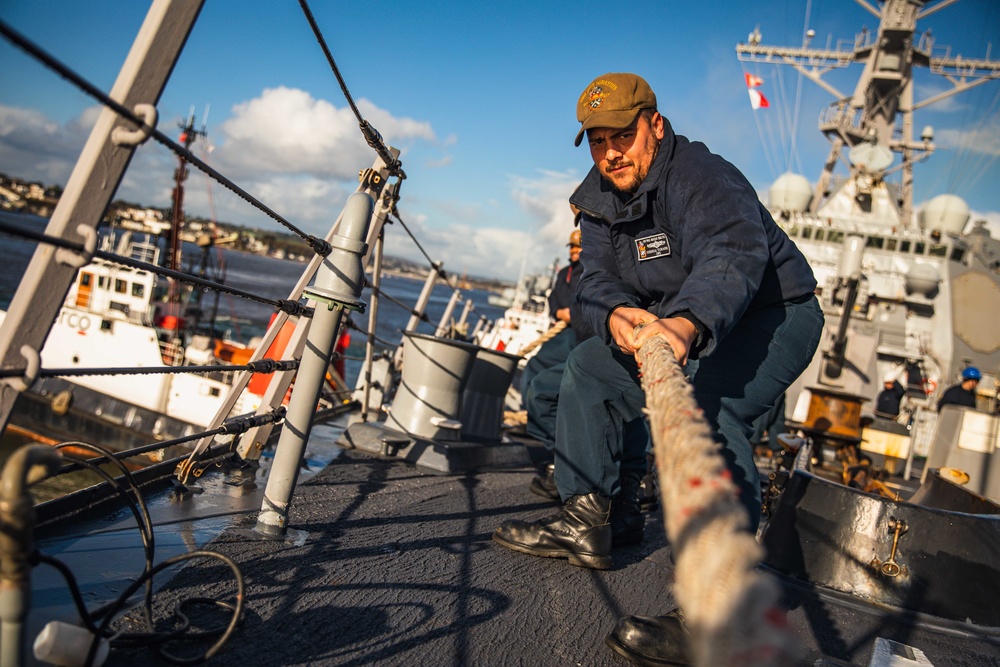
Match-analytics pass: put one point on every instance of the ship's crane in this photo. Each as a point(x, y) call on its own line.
point(864, 122)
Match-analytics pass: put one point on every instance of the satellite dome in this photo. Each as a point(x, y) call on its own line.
point(945, 213)
point(791, 192)
point(922, 279)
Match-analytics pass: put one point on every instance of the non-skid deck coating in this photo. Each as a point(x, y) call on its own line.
point(389, 565)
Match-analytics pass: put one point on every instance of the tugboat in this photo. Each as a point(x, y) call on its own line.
point(118, 316)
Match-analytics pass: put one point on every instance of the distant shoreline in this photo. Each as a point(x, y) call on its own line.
point(461, 283)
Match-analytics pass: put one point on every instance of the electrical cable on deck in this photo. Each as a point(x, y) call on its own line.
point(730, 608)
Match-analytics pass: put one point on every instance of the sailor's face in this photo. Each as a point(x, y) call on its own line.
point(624, 156)
point(574, 253)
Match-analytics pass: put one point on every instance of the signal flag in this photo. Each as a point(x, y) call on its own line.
point(757, 99)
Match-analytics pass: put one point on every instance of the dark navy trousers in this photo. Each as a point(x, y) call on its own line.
point(553, 352)
point(739, 381)
point(542, 403)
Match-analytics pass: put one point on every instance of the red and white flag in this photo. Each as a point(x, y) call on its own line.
point(752, 81)
point(757, 99)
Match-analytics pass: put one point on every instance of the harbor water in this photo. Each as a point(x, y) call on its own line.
point(242, 319)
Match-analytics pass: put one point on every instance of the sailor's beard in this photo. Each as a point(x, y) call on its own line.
point(629, 181)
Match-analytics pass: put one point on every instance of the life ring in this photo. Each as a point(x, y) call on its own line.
point(929, 386)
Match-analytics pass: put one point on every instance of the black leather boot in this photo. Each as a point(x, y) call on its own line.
point(649, 493)
point(579, 532)
point(652, 641)
point(544, 483)
point(627, 520)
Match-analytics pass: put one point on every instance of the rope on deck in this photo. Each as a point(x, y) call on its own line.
point(556, 329)
point(730, 608)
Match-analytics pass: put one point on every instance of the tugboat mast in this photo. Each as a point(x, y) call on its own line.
point(188, 136)
point(865, 122)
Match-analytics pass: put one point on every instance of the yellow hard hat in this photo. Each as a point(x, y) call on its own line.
point(574, 238)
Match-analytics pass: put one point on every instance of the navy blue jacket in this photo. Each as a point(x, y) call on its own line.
point(956, 394)
point(693, 239)
point(564, 295)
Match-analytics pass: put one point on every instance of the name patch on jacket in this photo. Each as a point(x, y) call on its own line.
point(652, 247)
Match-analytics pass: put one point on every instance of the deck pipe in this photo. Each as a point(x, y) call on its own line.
point(466, 309)
point(338, 284)
point(420, 307)
point(27, 465)
point(444, 326)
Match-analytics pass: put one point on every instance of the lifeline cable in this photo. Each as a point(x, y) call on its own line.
point(435, 265)
point(371, 135)
point(730, 608)
point(319, 246)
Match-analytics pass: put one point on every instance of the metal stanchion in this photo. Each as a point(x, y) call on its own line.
point(338, 286)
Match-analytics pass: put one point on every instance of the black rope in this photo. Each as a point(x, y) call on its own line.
point(381, 294)
point(232, 426)
point(371, 135)
point(289, 306)
point(354, 326)
point(320, 246)
point(262, 366)
point(434, 265)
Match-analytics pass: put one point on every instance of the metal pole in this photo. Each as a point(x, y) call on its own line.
point(444, 325)
point(479, 326)
point(338, 285)
point(425, 296)
point(372, 323)
point(25, 466)
point(465, 313)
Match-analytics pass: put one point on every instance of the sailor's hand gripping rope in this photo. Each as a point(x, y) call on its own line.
point(730, 608)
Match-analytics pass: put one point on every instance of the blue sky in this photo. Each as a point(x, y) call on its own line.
point(480, 97)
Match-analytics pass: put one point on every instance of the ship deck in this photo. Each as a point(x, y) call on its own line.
point(390, 564)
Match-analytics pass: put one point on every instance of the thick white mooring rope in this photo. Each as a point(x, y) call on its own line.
point(545, 337)
point(730, 608)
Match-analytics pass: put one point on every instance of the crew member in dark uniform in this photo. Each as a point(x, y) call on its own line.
point(674, 239)
point(963, 393)
point(561, 302)
point(888, 400)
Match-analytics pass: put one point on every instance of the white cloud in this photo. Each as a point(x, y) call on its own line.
point(287, 131)
point(499, 250)
point(36, 148)
point(983, 139)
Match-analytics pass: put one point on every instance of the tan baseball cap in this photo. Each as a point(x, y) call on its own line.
point(613, 100)
point(574, 239)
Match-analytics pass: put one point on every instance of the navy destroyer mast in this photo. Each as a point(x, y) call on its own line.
point(916, 295)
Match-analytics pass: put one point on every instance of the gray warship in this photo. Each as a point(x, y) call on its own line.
point(912, 294)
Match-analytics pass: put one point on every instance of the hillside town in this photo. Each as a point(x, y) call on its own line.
point(35, 198)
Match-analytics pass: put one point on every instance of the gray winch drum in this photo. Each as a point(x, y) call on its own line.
point(483, 400)
point(429, 398)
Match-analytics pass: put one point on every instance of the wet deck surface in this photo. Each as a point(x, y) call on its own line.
point(388, 564)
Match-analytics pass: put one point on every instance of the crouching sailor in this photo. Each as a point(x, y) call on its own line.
point(675, 239)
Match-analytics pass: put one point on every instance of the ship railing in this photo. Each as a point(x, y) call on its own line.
point(355, 240)
point(842, 115)
point(372, 182)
